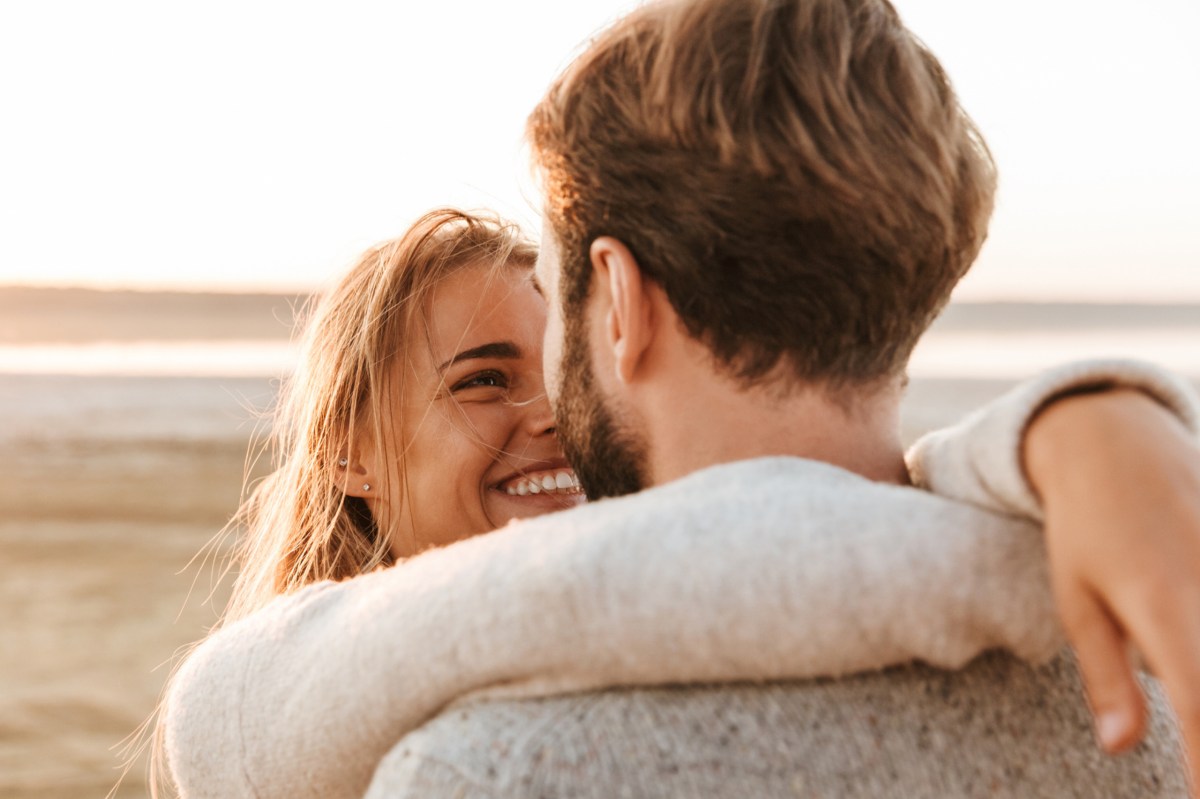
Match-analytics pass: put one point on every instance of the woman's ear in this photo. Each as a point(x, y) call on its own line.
point(354, 471)
point(629, 320)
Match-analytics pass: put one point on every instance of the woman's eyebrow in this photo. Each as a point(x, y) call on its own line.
point(496, 349)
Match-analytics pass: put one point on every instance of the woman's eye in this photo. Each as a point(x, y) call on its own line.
point(483, 380)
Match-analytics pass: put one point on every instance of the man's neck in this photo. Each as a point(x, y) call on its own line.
point(722, 423)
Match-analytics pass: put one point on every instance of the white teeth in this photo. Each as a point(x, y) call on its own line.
point(544, 483)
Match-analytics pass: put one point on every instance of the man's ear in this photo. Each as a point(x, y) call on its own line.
point(629, 317)
point(354, 471)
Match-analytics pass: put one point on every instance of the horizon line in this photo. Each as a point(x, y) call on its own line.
point(270, 289)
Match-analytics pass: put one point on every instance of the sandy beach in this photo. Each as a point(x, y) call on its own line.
point(110, 487)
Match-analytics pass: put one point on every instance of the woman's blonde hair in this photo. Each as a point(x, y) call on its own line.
point(297, 526)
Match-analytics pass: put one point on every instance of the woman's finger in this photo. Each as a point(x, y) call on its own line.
point(1118, 706)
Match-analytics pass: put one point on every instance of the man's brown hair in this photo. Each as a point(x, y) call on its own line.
point(797, 175)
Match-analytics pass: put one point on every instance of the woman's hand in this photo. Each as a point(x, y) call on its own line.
point(1119, 479)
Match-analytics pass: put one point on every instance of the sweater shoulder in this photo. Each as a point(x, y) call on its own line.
point(1022, 730)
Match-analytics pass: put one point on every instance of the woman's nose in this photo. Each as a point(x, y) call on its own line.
point(543, 416)
point(540, 419)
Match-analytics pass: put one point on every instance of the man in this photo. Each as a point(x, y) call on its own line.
point(763, 205)
point(753, 211)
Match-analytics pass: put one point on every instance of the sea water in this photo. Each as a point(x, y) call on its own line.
point(1008, 352)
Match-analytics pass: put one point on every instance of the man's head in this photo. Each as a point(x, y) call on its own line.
point(796, 176)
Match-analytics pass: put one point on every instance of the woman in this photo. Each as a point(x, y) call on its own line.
point(385, 383)
point(403, 428)
point(418, 418)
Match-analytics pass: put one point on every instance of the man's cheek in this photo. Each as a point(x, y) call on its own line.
point(552, 358)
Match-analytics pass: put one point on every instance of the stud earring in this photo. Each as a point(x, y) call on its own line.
point(344, 462)
point(366, 486)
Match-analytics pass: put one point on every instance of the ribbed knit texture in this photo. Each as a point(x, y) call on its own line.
point(768, 569)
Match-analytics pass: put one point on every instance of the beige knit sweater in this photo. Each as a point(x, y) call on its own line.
point(772, 569)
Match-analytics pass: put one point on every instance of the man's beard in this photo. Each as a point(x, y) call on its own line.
point(608, 458)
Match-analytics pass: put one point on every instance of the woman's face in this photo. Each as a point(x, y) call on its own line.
point(476, 436)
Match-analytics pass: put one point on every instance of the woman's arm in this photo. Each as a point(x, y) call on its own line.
point(1111, 450)
point(980, 460)
point(773, 568)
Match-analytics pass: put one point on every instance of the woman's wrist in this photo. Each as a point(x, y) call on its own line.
point(1077, 443)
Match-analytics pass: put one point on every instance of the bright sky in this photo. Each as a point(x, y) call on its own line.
point(255, 144)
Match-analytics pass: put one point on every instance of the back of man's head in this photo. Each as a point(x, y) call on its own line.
point(797, 175)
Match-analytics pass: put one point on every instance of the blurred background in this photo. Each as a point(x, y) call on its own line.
point(176, 178)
